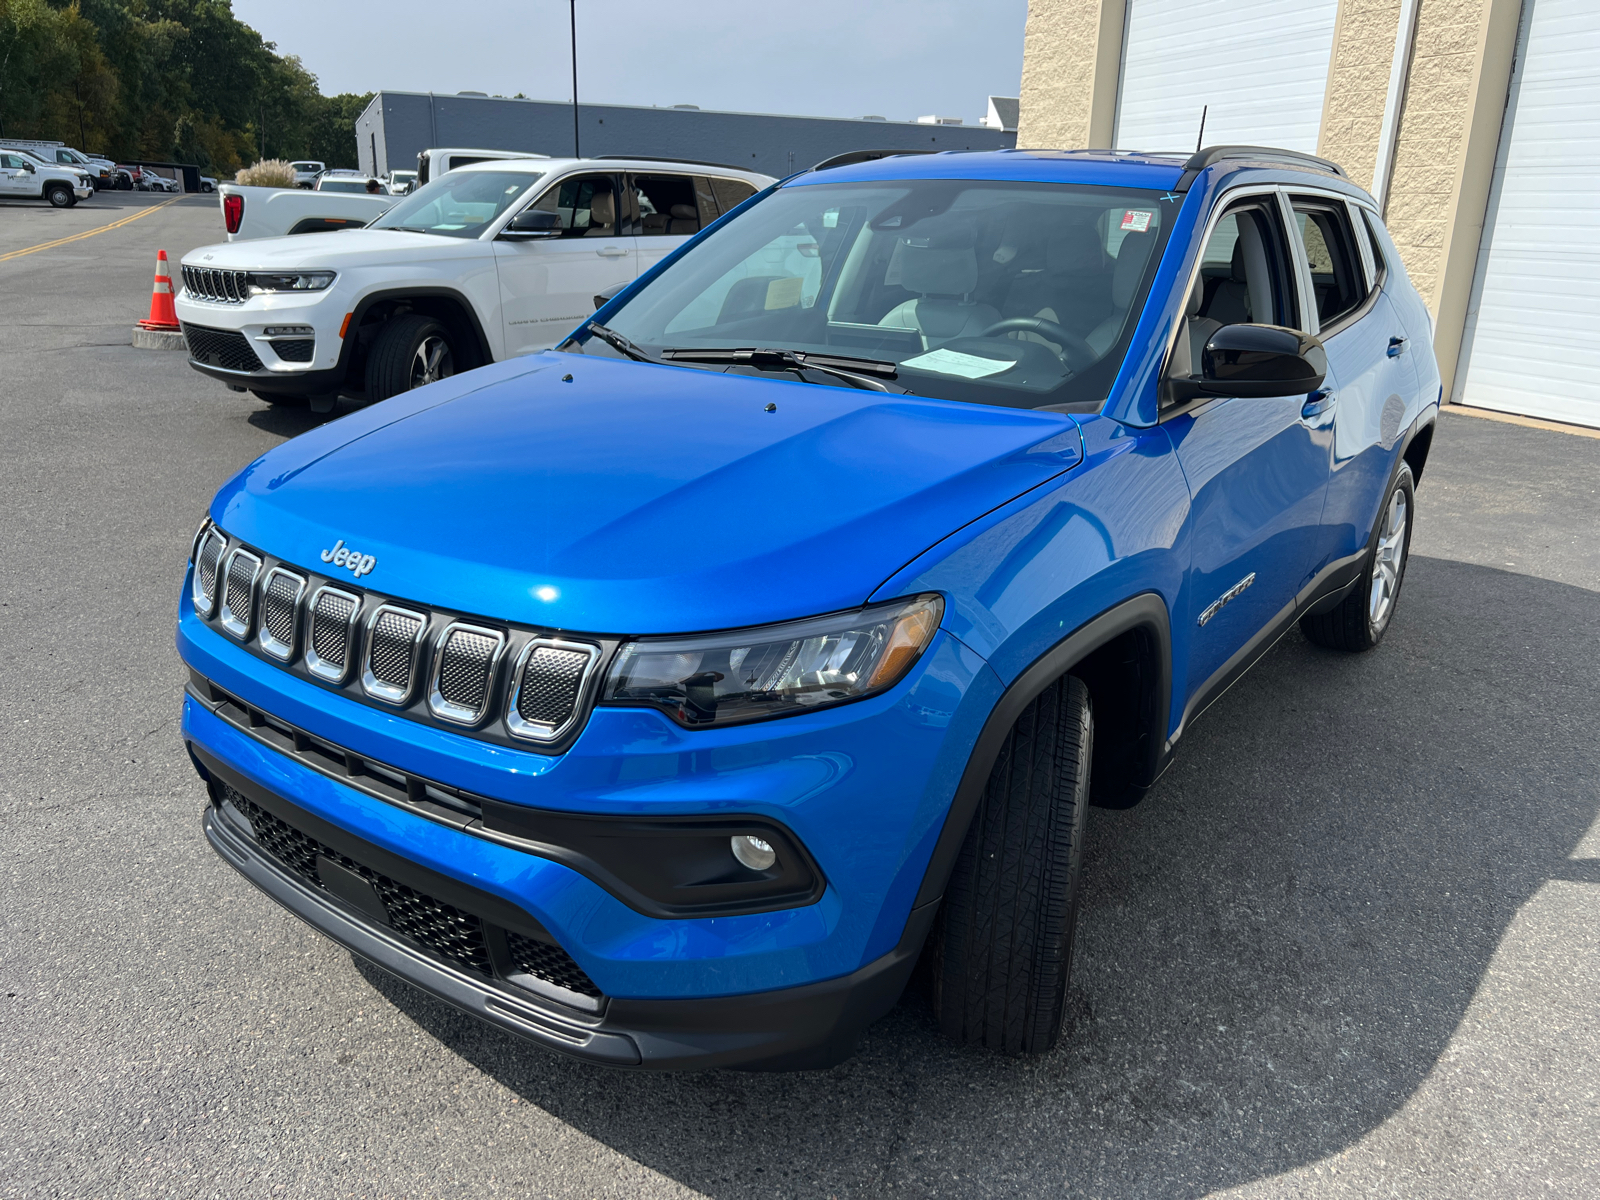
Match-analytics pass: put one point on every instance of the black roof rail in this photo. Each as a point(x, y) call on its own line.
point(688, 162)
point(1202, 159)
point(853, 157)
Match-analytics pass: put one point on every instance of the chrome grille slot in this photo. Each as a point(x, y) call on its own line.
point(463, 672)
point(280, 612)
point(238, 592)
point(205, 571)
point(332, 622)
point(213, 283)
point(550, 680)
point(393, 638)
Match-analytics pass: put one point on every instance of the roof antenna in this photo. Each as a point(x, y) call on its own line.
point(573, 14)
point(1200, 137)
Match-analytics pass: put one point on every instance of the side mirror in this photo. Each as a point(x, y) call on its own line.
point(29, 167)
point(601, 299)
point(533, 223)
point(1255, 361)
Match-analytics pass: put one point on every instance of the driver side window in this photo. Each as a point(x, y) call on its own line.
point(1244, 279)
point(586, 204)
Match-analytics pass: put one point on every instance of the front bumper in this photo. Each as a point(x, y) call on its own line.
point(322, 312)
point(806, 1027)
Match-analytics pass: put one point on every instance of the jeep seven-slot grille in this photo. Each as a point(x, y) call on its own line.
point(220, 348)
point(279, 599)
point(446, 930)
point(239, 592)
point(550, 684)
point(211, 283)
point(330, 628)
point(210, 554)
point(466, 665)
point(392, 657)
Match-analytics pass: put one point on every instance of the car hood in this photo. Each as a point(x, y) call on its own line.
point(345, 248)
point(597, 495)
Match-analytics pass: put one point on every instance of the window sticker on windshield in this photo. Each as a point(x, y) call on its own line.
point(784, 293)
point(830, 219)
point(953, 362)
point(1137, 219)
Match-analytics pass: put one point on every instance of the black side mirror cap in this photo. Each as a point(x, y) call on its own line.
point(1255, 361)
point(601, 299)
point(533, 223)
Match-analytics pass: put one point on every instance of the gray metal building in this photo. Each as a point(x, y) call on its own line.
point(397, 126)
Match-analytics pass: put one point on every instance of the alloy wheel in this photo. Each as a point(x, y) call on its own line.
point(1388, 560)
point(431, 362)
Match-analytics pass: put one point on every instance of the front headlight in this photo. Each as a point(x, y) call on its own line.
point(775, 670)
point(290, 281)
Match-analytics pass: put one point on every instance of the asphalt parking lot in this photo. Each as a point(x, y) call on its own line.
point(1349, 946)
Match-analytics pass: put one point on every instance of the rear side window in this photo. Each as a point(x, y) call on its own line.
point(731, 193)
point(1330, 251)
point(667, 205)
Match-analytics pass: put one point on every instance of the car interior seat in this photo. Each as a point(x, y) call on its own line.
point(1131, 258)
point(943, 272)
point(1230, 301)
point(1072, 288)
point(602, 215)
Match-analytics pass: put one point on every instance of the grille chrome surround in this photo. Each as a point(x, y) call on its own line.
point(394, 636)
point(215, 284)
point(331, 617)
point(212, 545)
point(281, 593)
point(544, 707)
point(239, 592)
point(466, 660)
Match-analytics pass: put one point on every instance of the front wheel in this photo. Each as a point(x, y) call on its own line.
point(410, 351)
point(1003, 948)
point(1360, 620)
point(59, 195)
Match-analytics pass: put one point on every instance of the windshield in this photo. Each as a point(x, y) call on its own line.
point(460, 204)
point(1019, 294)
point(341, 185)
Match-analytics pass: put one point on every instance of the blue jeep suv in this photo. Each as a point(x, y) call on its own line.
point(665, 697)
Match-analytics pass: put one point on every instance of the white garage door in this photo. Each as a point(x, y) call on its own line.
point(1260, 65)
point(1533, 329)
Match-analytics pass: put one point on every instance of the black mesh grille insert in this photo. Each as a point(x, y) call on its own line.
point(294, 349)
point(394, 640)
point(330, 627)
point(464, 668)
point(220, 348)
point(209, 554)
point(549, 963)
point(278, 601)
point(550, 683)
point(238, 591)
point(440, 927)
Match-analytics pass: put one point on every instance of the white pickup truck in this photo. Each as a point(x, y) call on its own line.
point(262, 212)
point(486, 262)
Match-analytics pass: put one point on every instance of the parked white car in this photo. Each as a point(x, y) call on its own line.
point(399, 183)
point(251, 213)
point(59, 154)
point(433, 163)
point(306, 172)
point(24, 177)
point(349, 181)
point(486, 262)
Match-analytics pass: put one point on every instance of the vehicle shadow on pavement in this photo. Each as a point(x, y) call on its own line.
point(1275, 947)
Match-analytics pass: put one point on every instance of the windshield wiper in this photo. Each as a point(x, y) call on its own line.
point(858, 372)
point(617, 342)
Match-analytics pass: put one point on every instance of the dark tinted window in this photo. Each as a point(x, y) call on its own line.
point(667, 205)
point(1380, 265)
point(705, 201)
point(1330, 248)
point(587, 205)
point(731, 193)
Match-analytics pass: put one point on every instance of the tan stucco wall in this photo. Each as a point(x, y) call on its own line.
point(1071, 55)
point(1358, 86)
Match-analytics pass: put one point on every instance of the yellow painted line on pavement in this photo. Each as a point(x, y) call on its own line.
point(1489, 414)
point(88, 233)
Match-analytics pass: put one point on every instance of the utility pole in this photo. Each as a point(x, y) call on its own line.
point(573, 13)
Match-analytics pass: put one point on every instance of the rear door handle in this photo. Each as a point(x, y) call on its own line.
point(1397, 347)
point(1318, 403)
point(611, 252)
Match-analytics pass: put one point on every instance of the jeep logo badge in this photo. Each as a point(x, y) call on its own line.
point(356, 563)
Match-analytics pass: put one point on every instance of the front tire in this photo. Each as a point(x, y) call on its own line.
point(1003, 948)
point(410, 350)
point(1360, 620)
point(60, 195)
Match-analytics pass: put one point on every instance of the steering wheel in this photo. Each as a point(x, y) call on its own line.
point(1075, 353)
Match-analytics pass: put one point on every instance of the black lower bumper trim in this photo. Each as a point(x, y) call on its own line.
point(809, 1027)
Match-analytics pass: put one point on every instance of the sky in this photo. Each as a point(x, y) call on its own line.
point(898, 59)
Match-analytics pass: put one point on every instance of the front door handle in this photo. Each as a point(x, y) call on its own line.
point(611, 252)
point(1317, 403)
point(1397, 347)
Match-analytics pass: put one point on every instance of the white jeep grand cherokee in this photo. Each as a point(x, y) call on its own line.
point(485, 262)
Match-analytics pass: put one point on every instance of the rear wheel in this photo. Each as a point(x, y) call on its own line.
point(60, 195)
point(1361, 618)
point(410, 350)
point(1003, 949)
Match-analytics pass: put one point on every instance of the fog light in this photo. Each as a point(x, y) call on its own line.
point(753, 852)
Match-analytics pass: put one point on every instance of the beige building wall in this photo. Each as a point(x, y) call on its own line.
point(1071, 58)
point(1358, 86)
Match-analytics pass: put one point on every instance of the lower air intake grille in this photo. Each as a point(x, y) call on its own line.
point(549, 963)
point(550, 684)
point(442, 928)
point(294, 349)
point(220, 348)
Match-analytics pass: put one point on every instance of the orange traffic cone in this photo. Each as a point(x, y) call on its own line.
point(162, 315)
